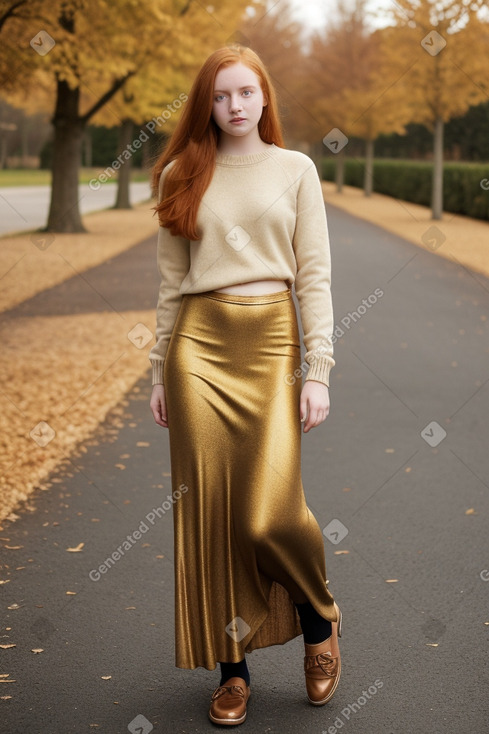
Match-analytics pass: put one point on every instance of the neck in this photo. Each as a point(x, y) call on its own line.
point(246, 145)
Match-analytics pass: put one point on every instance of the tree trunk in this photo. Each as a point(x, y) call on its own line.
point(148, 156)
point(437, 186)
point(369, 168)
point(87, 148)
point(340, 171)
point(64, 213)
point(24, 132)
point(126, 132)
point(3, 151)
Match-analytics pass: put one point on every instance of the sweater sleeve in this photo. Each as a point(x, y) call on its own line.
point(173, 261)
point(313, 279)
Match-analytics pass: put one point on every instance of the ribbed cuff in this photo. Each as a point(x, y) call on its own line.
point(157, 376)
point(319, 369)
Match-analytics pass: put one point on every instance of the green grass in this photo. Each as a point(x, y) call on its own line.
point(35, 177)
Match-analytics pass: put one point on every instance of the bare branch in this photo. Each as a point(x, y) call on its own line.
point(118, 84)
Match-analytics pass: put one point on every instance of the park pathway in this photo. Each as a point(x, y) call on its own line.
point(397, 476)
point(25, 207)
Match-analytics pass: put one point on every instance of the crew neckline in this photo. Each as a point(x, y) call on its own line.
point(227, 159)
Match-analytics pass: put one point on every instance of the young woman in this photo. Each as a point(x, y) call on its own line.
point(241, 220)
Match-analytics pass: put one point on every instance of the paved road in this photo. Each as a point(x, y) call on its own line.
point(26, 207)
point(414, 655)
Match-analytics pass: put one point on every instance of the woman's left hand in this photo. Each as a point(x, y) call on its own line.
point(314, 405)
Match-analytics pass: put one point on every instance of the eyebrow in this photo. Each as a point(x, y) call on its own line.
point(246, 86)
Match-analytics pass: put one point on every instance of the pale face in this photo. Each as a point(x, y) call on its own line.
point(238, 101)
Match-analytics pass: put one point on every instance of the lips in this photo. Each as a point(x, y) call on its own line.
point(238, 119)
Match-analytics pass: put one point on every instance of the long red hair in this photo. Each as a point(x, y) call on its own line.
point(193, 144)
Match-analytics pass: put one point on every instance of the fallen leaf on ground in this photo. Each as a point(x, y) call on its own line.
point(6, 647)
point(106, 677)
point(432, 644)
point(77, 549)
point(4, 581)
point(470, 511)
point(391, 581)
point(13, 547)
point(71, 593)
point(341, 553)
point(38, 649)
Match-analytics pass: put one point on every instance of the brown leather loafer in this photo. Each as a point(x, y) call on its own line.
point(228, 703)
point(322, 666)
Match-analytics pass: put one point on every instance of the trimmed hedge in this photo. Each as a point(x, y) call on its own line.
point(411, 181)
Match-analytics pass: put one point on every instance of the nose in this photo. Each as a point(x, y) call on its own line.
point(235, 104)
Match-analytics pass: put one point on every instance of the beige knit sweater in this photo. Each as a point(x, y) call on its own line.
point(261, 218)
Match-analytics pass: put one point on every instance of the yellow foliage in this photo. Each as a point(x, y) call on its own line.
point(439, 52)
point(158, 44)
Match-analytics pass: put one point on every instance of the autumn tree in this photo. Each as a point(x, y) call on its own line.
point(92, 48)
point(378, 105)
point(351, 85)
point(17, 59)
point(439, 50)
point(279, 40)
point(148, 105)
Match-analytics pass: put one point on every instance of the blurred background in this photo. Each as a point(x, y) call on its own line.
point(388, 97)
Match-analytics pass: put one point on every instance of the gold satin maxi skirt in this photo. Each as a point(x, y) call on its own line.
point(246, 544)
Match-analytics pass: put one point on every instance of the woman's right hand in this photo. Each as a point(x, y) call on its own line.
point(158, 405)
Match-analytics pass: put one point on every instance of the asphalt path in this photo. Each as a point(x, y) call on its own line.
point(403, 505)
point(23, 208)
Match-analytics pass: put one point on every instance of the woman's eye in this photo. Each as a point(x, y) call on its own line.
point(219, 97)
point(247, 92)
